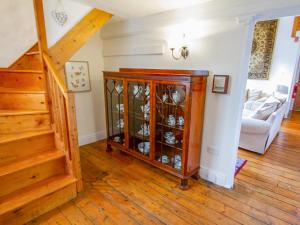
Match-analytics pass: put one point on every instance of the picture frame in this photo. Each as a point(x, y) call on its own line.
point(220, 84)
point(78, 76)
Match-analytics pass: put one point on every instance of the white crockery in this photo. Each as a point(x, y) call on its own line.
point(137, 90)
point(171, 120)
point(165, 97)
point(145, 130)
point(180, 121)
point(120, 123)
point(176, 97)
point(144, 147)
point(120, 107)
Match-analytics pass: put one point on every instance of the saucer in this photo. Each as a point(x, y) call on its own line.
point(144, 147)
point(164, 159)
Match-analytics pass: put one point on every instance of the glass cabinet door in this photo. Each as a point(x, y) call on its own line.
point(169, 124)
point(115, 111)
point(139, 117)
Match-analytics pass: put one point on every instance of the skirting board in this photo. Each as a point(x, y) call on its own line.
point(91, 138)
point(214, 177)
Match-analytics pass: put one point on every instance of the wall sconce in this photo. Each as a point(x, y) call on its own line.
point(183, 52)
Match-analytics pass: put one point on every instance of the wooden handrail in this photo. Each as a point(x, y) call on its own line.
point(63, 118)
point(56, 75)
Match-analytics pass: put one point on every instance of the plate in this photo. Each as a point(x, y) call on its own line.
point(144, 147)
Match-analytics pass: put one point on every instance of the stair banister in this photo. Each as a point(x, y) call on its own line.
point(62, 103)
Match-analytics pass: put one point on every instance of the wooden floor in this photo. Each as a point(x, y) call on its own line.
point(122, 190)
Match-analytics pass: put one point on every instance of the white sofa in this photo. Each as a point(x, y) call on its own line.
point(258, 134)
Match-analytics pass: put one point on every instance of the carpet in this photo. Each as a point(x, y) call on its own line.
point(239, 165)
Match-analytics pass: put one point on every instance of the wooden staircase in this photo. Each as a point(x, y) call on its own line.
point(39, 153)
point(38, 168)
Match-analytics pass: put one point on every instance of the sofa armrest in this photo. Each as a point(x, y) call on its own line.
point(254, 126)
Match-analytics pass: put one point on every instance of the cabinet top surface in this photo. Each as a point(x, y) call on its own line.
point(156, 72)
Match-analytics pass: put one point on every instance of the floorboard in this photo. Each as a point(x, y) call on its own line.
point(122, 190)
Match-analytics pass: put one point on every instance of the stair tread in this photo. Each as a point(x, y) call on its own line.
point(16, 91)
point(20, 71)
point(30, 161)
point(12, 112)
point(26, 195)
point(4, 138)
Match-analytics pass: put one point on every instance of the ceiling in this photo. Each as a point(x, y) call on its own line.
point(125, 9)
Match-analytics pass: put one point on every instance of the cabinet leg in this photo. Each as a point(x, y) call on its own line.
point(196, 176)
point(108, 148)
point(184, 184)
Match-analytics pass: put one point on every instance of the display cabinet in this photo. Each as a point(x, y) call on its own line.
point(157, 116)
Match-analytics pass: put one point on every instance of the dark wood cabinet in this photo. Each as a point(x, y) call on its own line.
point(157, 116)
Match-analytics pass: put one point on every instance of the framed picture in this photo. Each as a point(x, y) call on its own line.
point(78, 76)
point(220, 84)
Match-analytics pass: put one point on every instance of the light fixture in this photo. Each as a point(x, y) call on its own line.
point(183, 51)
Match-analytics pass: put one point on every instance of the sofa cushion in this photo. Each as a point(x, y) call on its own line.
point(254, 94)
point(280, 97)
point(264, 112)
point(272, 101)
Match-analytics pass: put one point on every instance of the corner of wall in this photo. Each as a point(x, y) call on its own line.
point(215, 177)
point(92, 137)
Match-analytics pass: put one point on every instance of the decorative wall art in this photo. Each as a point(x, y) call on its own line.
point(77, 76)
point(220, 84)
point(262, 49)
point(59, 14)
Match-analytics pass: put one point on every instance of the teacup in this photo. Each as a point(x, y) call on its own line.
point(171, 120)
point(146, 108)
point(176, 97)
point(144, 147)
point(171, 140)
point(168, 134)
point(180, 121)
point(145, 130)
point(164, 159)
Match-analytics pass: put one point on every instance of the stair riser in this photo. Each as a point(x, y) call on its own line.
point(23, 123)
point(22, 81)
point(29, 62)
point(38, 207)
point(23, 102)
point(14, 150)
point(25, 177)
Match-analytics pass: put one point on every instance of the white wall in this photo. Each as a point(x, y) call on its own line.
point(17, 30)
point(75, 12)
point(90, 108)
point(220, 53)
point(218, 43)
point(284, 59)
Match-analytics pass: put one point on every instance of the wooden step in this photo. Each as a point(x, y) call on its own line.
point(16, 121)
point(24, 172)
point(16, 146)
point(22, 80)
point(23, 101)
point(24, 205)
